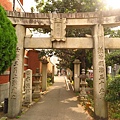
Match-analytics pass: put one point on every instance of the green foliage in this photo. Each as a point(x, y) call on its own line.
point(112, 33)
point(114, 110)
point(8, 41)
point(90, 83)
point(109, 79)
point(70, 6)
point(113, 57)
point(113, 90)
point(49, 79)
point(113, 97)
point(69, 55)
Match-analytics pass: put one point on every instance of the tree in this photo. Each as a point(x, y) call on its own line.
point(113, 90)
point(67, 6)
point(8, 41)
point(71, 6)
point(113, 57)
point(113, 97)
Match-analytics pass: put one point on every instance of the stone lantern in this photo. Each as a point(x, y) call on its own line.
point(83, 84)
point(36, 84)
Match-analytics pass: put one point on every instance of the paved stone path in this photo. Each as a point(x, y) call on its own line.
point(57, 104)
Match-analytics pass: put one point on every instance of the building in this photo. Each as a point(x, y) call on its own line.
point(8, 4)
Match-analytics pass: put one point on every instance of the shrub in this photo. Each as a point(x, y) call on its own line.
point(113, 90)
point(90, 83)
point(113, 97)
point(8, 41)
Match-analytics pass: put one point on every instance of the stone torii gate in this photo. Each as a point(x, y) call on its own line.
point(58, 23)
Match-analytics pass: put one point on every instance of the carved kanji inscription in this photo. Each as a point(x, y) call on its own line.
point(58, 27)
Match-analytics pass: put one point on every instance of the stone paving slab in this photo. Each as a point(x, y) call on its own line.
point(57, 104)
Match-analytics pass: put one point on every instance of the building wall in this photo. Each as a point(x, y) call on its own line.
point(33, 61)
point(4, 78)
point(26, 58)
point(4, 91)
point(7, 4)
point(21, 2)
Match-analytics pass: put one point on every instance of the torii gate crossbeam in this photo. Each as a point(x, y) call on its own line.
point(71, 43)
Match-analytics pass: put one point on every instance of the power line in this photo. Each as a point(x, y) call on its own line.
point(20, 6)
point(13, 5)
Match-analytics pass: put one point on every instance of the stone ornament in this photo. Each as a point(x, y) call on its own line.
point(36, 84)
point(83, 84)
point(58, 26)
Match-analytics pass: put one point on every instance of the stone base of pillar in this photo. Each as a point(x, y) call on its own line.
point(99, 118)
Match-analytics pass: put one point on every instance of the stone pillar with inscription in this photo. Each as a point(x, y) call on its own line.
point(15, 93)
point(44, 75)
point(99, 69)
point(76, 74)
point(28, 86)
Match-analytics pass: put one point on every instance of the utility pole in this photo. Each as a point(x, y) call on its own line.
point(13, 5)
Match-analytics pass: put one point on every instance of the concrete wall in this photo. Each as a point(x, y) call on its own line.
point(4, 78)
point(4, 91)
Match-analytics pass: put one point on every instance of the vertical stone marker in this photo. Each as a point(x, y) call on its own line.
point(28, 86)
point(99, 69)
point(15, 93)
point(76, 74)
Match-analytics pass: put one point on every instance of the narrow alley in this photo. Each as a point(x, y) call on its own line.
point(57, 104)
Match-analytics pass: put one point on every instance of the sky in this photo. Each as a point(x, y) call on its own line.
point(27, 4)
point(27, 7)
point(115, 4)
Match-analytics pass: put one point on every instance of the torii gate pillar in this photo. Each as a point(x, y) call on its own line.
point(99, 68)
point(15, 93)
